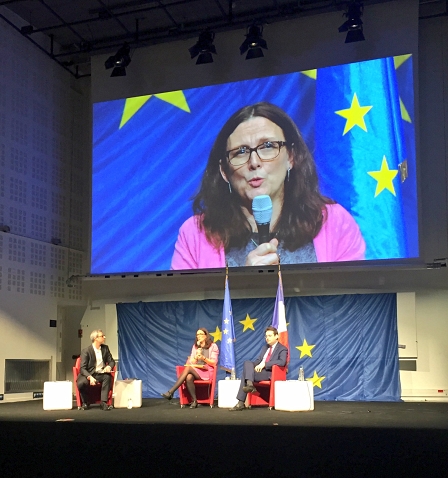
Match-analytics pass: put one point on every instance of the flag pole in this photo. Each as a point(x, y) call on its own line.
point(279, 317)
point(227, 355)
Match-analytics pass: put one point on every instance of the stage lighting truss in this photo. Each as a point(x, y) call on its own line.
point(119, 61)
point(353, 25)
point(254, 42)
point(204, 48)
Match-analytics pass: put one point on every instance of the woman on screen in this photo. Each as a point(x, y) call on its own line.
point(260, 151)
point(200, 366)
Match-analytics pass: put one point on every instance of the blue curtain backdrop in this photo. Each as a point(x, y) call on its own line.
point(348, 345)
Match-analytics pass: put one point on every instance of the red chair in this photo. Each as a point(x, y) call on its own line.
point(205, 389)
point(93, 391)
point(265, 390)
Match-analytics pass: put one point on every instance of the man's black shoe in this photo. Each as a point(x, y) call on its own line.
point(105, 407)
point(238, 408)
point(249, 389)
point(84, 406)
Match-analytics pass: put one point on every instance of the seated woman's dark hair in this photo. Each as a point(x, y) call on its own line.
point(302, 213)
point(208, 338)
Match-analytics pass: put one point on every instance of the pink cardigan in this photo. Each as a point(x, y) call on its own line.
point(339, 240)
point(213, 353)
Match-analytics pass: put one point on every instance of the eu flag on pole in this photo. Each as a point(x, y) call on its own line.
point(279, 316)
point(361, 148)
point(227, 355)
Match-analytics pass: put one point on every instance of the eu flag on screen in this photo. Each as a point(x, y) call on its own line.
point(361, 149)
point(227, 353)
point(149, 155)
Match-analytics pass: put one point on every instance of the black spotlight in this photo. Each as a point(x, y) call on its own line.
point(119, 61)
point(254, 42)
point(204, 48)
point(353, 25)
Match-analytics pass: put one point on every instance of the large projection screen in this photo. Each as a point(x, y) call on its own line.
point(150, 152)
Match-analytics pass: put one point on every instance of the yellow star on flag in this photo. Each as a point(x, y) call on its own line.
point(305, 349)
point(132, 105)
point(354, 115)
point(317, 381)
point(384, 178)
point(217, 335)
point(404, 112)
point(400, 59)
point(310, 73)
point(248, 323)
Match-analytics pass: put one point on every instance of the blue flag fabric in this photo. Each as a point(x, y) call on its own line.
point(227, 352)
point(347, 345)
point(363, 140)
point(146, 170)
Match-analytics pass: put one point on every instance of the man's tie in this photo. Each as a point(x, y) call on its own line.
point(269, 354)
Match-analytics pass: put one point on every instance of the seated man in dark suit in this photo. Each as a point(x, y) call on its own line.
point(273, 353)
point(96, 365)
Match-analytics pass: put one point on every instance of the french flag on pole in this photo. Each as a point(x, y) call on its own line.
point(279, 317)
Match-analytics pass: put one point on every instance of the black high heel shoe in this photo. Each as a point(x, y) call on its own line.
point(194, 404)
point(168, 395)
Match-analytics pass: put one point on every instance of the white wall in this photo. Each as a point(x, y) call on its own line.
point(44, 178)
point(407, 325)
point(431, 378)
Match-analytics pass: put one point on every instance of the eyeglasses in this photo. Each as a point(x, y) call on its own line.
point(99, 336)
point(266, 151)
point(200, 333)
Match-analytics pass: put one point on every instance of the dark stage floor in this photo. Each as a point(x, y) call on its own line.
point(160, 439)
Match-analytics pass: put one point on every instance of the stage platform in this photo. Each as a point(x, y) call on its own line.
point(160, 439)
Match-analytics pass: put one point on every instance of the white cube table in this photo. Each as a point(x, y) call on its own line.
point(227, 390)
point(126, 390)
point(294, 396)
point(58, 395)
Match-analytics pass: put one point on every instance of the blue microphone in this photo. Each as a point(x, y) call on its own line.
point(262, 210)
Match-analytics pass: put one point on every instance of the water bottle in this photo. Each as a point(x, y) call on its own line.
point(301, 374)
point(232, 374)
point(129, 403)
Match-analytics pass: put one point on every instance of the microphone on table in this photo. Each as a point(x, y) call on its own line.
point(262, 210)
